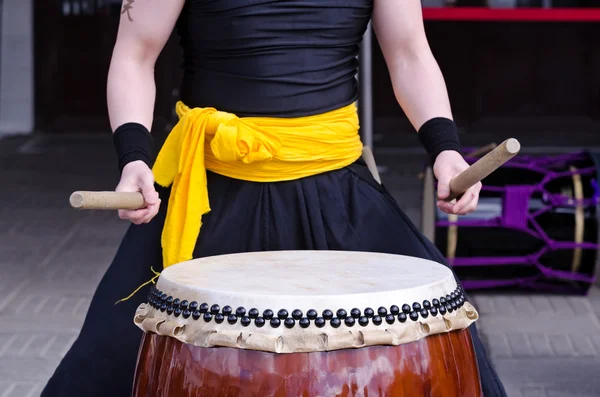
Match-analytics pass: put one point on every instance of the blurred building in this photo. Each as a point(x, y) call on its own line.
point(16, 67)
point(54, 63)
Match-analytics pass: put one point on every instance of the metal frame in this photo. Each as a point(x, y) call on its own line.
point(365, 103)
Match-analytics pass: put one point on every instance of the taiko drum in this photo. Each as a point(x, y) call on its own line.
point(306, 323)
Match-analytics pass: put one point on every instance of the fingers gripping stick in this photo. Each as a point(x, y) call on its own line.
point(483, 167)
point(83, 200)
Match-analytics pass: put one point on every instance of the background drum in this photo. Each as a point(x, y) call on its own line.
point(309, 323)
point(536, 225)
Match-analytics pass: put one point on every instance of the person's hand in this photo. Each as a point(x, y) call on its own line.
point(448, 165)
point(138, 177)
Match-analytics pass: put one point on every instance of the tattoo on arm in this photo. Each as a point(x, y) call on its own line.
point(127, 8)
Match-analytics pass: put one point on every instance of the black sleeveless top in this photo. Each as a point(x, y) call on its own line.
point(279, 58)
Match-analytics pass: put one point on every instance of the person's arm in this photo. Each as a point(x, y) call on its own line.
point(416, 77)
point(420, 90)
point(144, 28)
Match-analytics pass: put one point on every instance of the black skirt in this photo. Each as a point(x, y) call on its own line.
point(339, 210)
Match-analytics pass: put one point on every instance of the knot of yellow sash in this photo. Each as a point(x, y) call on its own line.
point(259, 149)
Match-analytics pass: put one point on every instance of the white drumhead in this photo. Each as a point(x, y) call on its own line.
point(310, 279)
point(318, 286)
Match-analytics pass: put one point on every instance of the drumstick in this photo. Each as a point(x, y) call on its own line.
point(483, 167)
point(482, 150)
point(475, 153)
point(83, 200)
point(134, 200)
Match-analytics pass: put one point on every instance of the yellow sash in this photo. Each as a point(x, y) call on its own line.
point(259, 149)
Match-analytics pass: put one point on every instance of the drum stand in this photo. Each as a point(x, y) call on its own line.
point(554, 201)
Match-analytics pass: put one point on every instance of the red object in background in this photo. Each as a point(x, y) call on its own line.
point(512, 14)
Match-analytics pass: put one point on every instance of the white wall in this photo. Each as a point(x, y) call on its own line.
point(16, 68)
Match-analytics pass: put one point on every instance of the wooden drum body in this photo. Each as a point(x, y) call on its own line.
point(536, 225)
point(308, 323)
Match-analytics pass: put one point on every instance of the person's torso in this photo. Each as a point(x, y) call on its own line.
point(281, 58)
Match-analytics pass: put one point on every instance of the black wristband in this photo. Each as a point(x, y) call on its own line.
point(133, 142)
point(439, 134)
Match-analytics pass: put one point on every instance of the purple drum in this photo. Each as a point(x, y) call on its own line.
point(536, 225)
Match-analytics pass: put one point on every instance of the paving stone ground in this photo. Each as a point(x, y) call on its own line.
point(52, 257)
